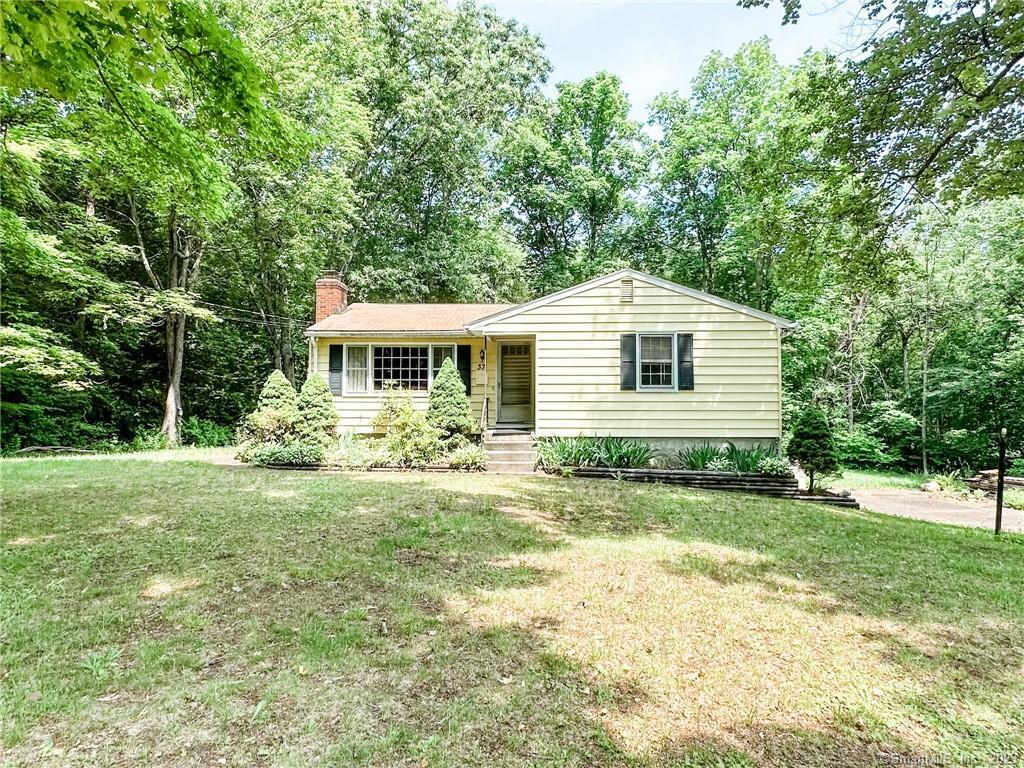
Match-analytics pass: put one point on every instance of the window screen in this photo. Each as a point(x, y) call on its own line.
point(356, 369)
point(656, 361)
point(407, 367)
point(440, 354)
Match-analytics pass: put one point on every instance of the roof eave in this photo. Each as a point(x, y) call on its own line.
point(481, 324)
point(325, 332)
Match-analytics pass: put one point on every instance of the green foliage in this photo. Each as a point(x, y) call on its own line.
point(447, 404)
point(292, 453)
point(1015, 467)
point(557, 452)
point(412, 441)
point(698, 457)
point(721, 464)
point(317, 420)
point(288, 428)
point(354, 452)
point(860, 449)
point(613, 452)
point(747, 459)
point(1013, 498)
point(623, 454)
point(813, 447)
point(396, 401)
point(276, 414)
point(961, 449)
point(774, 465)
point(205, 434)
point(899, 431)
point(471, 458)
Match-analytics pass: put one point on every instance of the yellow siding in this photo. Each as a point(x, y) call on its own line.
point(356, 410)
point(736, 367)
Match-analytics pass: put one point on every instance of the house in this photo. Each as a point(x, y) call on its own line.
point(625, 354)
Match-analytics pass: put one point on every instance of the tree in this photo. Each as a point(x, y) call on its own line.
point(938, 107)
point(447, 404)
point(570, 169)
point(441, 85)
point(813, 446)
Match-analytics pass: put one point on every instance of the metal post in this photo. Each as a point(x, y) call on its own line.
point(999, 479)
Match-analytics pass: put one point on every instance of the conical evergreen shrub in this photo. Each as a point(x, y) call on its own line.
point(277, 411)
point(318, 419)
point(813, 446)
point(447, 405)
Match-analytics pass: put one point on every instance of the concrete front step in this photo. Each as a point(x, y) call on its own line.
point(516, 455)
point(511, 467)
point(489, 445)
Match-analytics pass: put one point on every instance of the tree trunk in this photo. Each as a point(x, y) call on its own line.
point(175, 339)
point(924, 405)
point(905, 352)
point(180, 272)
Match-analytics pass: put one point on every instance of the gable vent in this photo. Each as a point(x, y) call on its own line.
point(626, 290)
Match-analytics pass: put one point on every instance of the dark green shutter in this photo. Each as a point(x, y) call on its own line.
point(627, 361)
point(684, 353)
point(337, 365)
point(464, 362)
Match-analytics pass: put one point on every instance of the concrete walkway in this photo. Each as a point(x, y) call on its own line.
point(937, 509)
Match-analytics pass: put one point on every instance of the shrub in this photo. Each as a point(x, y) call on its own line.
point(447, 405)
point(1013, 498)
point(397, 401)
point(619, 453)
point(354, 452)
point(775, 466)
point(1015, 468)
point(149, 440)
point(964, 449)
point(899, 431)
point(697, 457)
point(317, 418)
point(293, 453)
point(860, 449)
point(412, 441)
point(813, 446)
point(276, 412)
point(468, 457)
point(205, 434)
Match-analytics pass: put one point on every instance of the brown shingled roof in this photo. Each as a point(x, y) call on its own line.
point(406, 318)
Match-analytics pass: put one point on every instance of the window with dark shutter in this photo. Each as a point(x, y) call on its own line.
point(627, 361)
point(684, 356)
point(337, 368)
point(464, 362)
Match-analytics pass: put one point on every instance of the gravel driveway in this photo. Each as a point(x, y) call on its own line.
point(937, 509)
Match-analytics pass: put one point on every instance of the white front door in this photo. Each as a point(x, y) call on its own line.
point(515, 383)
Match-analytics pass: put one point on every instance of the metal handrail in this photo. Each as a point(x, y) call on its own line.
point(483, 414)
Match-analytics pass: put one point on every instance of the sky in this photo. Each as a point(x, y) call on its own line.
point(658, 45)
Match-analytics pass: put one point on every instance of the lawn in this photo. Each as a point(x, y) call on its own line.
point(870, 478)
point(178, 613)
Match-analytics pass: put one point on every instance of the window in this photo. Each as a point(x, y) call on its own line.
point(407, 367)
point(656, 362)
point(438, 354)
point(357, 368)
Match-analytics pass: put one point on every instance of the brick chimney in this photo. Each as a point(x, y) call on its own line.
point(331, 295)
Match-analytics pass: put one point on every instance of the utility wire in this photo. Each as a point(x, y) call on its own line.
point(249, 311)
